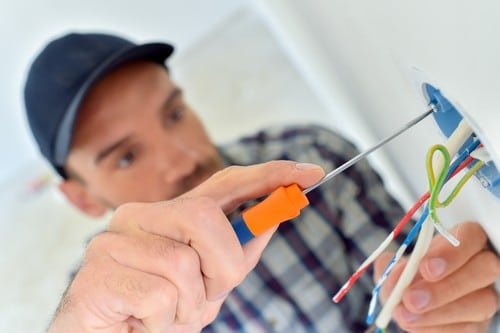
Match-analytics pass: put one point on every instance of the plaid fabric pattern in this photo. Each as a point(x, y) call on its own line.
point(309, 259)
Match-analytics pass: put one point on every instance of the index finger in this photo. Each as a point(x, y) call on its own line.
point(442, 259)
point(197, 218)
point(235, 185)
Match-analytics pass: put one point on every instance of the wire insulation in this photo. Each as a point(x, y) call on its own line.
point(461, 162)
point(454, 142)
point(458, 165)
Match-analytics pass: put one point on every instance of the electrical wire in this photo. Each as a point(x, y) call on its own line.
point(378, 251)
point(457, 139)
point(458, 165)
point(454, 142)
point(436, 186)
point(455, 168)
point(392, 263)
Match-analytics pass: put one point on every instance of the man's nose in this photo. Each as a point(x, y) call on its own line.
point(179, 160)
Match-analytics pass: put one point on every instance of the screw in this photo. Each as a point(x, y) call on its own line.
point(484, 181)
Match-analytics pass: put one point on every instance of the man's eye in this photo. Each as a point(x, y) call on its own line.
point(175, 116)
point(126, 160)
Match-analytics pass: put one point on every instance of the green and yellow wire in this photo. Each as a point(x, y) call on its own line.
point(436, 185)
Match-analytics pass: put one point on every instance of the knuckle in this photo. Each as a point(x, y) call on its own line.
point(185, 260)
point(489, 306)
point(123, 214)
point(166, 296)
point(491, 264)
point(232, 278)
point(453, 287)
point(191, 311)
point(126, 209)
point(161, 299)
point(474, 227)
point(221, 174)
point(101, 242)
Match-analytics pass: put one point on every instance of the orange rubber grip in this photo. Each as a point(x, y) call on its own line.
point(281, 205)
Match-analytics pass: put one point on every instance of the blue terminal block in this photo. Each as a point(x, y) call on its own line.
point(447, 118)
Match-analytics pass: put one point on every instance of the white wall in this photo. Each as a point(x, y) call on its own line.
point(359, 55)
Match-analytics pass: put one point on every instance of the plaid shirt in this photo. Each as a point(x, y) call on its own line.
point(309, 259)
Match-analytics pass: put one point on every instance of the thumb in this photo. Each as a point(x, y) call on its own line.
point(254, 248)
point(235, 185)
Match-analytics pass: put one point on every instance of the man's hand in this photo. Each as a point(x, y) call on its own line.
point(454, 289)
point(168, 266)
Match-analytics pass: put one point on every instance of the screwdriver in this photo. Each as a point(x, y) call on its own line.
point(286, 202)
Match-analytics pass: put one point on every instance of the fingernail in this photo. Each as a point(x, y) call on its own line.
point(408, 316)
point(436, 267)
point(419, 298)
point(306, 166)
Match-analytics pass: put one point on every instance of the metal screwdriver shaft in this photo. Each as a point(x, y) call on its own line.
point(361, 155)
point(286, 202)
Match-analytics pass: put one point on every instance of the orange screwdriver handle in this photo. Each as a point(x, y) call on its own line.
point(283, 204)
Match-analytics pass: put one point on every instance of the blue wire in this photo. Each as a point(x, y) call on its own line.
point(462, 156)
point(409, 238)
point(414, 230)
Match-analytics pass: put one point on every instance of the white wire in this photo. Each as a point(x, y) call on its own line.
point(385, 275)
point(482, 155)
point(446, 234)
point(455, 141)
point(375, 254)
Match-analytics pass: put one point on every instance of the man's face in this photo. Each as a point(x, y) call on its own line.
point(136, 140)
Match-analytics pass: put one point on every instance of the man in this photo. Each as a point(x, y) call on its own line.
point(116, 128)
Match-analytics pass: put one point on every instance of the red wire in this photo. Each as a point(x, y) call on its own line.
point(407, 217)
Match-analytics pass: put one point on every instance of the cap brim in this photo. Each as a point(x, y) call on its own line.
point(156, 52)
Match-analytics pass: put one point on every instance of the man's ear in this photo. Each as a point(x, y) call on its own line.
point(78, 195)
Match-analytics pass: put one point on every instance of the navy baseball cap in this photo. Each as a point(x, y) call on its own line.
point(61, 76)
